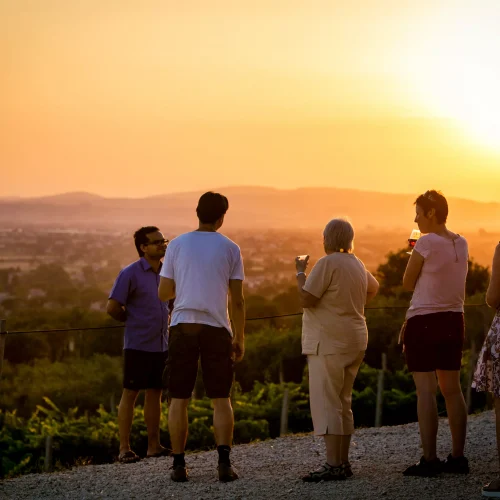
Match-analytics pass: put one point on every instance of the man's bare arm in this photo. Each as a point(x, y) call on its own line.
point(116, 310)
point(166, 290)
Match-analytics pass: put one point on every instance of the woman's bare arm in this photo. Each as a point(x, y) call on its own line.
point(493, 293)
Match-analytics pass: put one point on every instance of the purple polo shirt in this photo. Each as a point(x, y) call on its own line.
point(146, 326)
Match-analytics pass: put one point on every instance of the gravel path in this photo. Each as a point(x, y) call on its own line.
point(272, 469)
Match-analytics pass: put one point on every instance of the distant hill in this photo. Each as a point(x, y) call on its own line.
point(250, 207)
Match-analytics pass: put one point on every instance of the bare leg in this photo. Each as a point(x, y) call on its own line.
point(125, 417)
point(178, 424)
point(152, 412)
point(345, 444)
point(223, 421)
point(449, 383)
point(427, 411)
point(333, 443)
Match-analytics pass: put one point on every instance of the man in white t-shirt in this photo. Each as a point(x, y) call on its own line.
point(201, 268)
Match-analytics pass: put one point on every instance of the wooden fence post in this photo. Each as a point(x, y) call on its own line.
point(47, 466)
point(284, 413)
point(3, 338)
point(380, 392)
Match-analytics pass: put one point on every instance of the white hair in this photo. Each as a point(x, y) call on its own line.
point(339, 235)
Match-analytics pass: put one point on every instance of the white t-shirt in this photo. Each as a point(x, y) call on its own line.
point(441, 284)
point(201, 263)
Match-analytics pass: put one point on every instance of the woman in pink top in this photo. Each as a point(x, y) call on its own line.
point(487, 375)
point(433, 334)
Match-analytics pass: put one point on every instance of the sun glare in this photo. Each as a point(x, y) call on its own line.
point(456, 75)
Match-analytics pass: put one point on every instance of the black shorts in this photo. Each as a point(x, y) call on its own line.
point(434, 342)
point(189, 342)
point(143, 369)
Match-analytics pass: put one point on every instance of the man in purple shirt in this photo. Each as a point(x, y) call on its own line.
point(134, 301)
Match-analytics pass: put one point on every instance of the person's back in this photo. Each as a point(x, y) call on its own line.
point(441, 283)
point(202, 263)
point(433, 333)
point(201, 268)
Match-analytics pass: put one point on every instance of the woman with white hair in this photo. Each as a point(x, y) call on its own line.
point(334, 338)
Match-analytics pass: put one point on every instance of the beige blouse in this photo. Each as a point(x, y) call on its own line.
point(337, 323)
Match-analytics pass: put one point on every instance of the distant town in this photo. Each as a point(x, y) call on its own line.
point(35, 263)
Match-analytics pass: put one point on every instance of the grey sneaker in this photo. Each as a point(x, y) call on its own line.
point(226, 473)
point(325, 473)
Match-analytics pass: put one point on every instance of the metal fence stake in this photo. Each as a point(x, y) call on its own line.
point(47, 466)
point(284, 413)
point(380, 391)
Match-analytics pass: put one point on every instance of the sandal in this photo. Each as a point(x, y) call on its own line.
point(129, 457)
point(325, 473)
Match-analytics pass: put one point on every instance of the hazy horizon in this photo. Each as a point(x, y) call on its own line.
point(247, 188)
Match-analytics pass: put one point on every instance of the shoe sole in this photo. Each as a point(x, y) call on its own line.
point(491, 494)
point(324, 479)
point(182, 480)
point(227, 480)
point(437, 474)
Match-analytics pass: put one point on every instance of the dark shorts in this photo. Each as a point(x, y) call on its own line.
point(187, 343)
point(143, 369)
point(434, 342)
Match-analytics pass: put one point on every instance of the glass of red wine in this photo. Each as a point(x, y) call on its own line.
point(412, 240)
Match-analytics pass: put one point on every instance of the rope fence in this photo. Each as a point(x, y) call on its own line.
point(83, 329)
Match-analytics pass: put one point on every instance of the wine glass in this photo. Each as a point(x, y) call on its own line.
point(412, 240)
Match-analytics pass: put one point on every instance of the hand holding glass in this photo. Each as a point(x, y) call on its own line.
point(412, 240)
point(301, 262)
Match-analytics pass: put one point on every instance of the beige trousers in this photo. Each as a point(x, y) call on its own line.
point(331, 378)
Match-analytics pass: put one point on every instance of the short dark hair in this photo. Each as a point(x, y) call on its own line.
point(211, 207)
point(434, 199)
point(141, 237)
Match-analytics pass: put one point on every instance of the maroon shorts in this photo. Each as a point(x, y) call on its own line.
point(434, 341)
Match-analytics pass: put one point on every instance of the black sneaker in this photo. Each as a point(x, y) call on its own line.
point(325, 473)
point(226, 473)
point(179, 474)
point(456, 465)
point(347, 469)
point(424, 468)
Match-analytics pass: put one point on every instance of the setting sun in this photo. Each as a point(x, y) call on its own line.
point(455, 71)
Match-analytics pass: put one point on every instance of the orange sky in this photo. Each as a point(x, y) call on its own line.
point(127, 98)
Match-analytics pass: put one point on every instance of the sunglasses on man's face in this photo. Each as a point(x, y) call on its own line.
point(157, 242)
